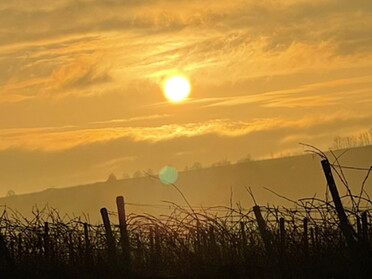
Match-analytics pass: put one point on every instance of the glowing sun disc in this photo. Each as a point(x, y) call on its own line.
point(177, 88)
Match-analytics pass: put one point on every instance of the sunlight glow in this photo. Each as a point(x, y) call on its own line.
point(177, 88)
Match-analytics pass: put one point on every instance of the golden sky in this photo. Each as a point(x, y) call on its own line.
point(81, 83)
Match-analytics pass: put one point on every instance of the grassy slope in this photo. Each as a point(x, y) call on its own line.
point(294, 177)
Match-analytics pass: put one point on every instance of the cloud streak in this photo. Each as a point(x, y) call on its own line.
point(309, 95)
point(55, 139)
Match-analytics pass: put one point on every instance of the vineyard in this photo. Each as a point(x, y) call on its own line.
point(315, 238)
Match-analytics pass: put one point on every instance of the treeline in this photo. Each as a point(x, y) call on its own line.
point(363, 139)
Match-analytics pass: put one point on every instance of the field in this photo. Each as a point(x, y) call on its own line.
point(313, 239)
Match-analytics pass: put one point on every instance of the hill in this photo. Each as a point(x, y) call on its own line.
point(294, 177)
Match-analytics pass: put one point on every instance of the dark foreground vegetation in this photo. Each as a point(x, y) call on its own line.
point(316, 238)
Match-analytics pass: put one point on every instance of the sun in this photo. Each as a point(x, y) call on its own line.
point(177, 88)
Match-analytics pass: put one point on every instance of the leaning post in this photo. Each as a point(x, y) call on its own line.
point(124, 238)
point(345, 226)
point(109, 237)
point(262, 228)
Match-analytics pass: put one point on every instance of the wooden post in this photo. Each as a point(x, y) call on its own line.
point(359, 227)
point(312, 237)
point(5, 252)
point(40, 245)
point(317, 242)
point(365, 227)
point(262, 228)
point(12, 248)
point(174, 238)
point(46, 242)
point(345, 226)
point(204, 237)
point(109, 237)
point(243, 240)
point(151, 240)
point(305, 237)
point(80, 250)
point(243, 234)
point(152, 247)
point(124, 238)
point(212, 240)
point(157, 245)
point(282, 233)
point(20, 250)
point(87, 240)
point(197, 239)
point(139, 254)
point(71, 248)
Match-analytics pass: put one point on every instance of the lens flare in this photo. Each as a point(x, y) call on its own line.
point(168, 175)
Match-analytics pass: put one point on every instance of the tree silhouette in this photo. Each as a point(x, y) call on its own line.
point(246, 159)
point(137, 174)
point(196, 166)
point(223, 162)
point(125, 175)
point(10, 193)
point(150, 172)
point(111, 178)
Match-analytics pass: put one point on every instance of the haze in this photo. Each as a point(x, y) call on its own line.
point(81, 83)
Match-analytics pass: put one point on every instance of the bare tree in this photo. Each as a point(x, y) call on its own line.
point(137, 174)
point(363, 139)
point(246, 159)
point(111, 178)
point(196, 166)
point(10, 193)
point(223, 162)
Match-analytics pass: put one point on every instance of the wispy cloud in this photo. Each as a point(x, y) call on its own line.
point(64, 138)
point(132, 119)
point(115, 162)
point(111, 41)
point(309, 95)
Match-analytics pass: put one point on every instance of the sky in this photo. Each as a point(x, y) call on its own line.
point(81, 83)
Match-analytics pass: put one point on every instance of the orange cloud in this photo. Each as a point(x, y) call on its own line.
point(309, 95)
point(229, 40)
point(53, 139)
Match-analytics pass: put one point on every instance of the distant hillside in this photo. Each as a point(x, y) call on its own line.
point(294, 177)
